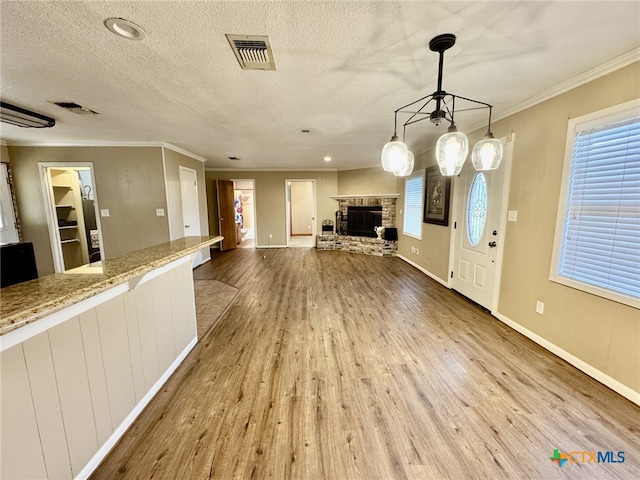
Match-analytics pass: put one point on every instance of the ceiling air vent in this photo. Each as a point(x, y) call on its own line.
point(78, 109)
point(252, 51)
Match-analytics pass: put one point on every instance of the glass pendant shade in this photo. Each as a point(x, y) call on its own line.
point(394, 155)
point(408, 167)
point(487, 154)
point(451, 152)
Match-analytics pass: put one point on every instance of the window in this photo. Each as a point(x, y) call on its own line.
point(8, 230)
point(413, 187)
point(477, 209)
point(597, 247)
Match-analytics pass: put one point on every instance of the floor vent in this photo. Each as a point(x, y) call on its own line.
point(252, 51)
point(76, 108)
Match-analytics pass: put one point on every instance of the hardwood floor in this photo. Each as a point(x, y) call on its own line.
point(330, 365)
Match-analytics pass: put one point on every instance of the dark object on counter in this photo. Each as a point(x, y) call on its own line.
point(17, 264)
point(390, 233)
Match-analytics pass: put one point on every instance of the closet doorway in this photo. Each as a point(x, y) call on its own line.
point(301, 213)
point(72, 214)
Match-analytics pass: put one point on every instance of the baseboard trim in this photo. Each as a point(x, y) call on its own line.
point(581, 365)
point(100, 455)
point(271, 246)
point(425, 271)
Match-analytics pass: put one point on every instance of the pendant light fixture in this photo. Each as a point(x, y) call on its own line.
point(394, 155)
point(452, 148)
point(407, 167)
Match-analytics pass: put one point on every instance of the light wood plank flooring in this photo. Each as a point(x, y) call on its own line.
point(330, 365)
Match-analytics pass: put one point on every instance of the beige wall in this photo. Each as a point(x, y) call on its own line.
point(4, 154)
point(603, 334)
point(366, 181)
point(129, 182)
point(172, 163)
point(270, 201)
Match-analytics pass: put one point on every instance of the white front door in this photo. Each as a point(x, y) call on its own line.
point(190, 207)
point(480, 200)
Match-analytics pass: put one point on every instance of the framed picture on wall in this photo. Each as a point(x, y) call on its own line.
point(436, 197)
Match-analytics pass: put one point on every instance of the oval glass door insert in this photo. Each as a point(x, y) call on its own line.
point(477, 208)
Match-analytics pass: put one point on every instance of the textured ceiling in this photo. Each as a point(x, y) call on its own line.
point(343, 67)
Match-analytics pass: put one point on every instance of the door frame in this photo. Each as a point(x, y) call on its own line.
point(506, 165)
point(198, 260)
point(314, 206)
point(50, 212)
point(253, 206)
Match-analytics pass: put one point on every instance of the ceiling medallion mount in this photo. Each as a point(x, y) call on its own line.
point(442, 42)
point(452, 147)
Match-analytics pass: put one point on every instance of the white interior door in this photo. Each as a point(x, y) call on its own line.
point(190, 207)
point(480, 201)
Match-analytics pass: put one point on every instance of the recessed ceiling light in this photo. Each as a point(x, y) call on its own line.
point(327, 159)
point(125, 28)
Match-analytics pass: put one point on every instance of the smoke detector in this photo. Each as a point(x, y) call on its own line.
point(252, 51)
point(76, 108)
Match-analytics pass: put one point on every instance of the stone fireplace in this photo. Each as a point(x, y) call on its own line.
point(377, 208)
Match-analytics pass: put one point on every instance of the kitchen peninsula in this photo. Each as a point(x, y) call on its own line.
point(83, 352)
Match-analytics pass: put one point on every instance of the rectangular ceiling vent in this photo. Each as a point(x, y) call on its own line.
point(252, 51)
point(76, 108)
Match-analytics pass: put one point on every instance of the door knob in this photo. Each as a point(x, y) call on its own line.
point(492, 244)
point(187, 226)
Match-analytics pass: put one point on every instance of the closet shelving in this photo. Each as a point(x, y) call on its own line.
point(68, 206)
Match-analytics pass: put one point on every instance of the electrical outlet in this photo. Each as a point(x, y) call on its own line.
point(413, 249)
point(512, 216)
point(271, 235)
point(540, 307)
point(159, 212)
point(104, 212)
point(417, 251)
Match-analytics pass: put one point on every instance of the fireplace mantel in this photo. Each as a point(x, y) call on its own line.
point(366, 195)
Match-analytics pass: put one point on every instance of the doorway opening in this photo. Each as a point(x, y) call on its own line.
point(244, 205)
point(72, 214)
point(301, 213)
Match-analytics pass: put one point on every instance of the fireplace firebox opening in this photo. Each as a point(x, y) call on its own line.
point(362, 220)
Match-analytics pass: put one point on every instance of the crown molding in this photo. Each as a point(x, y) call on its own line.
point(182, 151)
point(20, 143)
point(601, 70)
point(108, 144)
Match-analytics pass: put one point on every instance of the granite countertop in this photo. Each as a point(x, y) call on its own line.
point(30, 301)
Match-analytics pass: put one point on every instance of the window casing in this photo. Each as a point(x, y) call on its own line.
point(8, 228)
point(597, 243)
point(413, 201)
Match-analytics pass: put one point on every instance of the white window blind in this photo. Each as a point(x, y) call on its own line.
point(600, 243)
point(413, 187)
